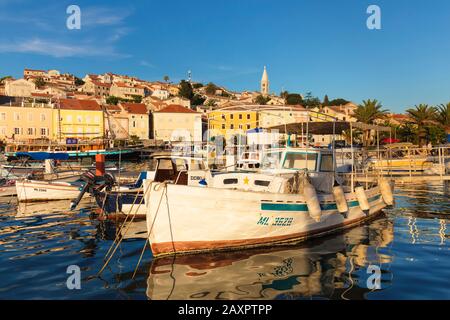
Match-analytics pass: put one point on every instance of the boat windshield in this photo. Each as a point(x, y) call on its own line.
point(299, 161)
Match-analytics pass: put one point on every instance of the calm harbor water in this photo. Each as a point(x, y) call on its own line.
point(410, 244)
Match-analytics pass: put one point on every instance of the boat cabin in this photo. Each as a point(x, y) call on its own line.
point(298, 159)
point(176, 169)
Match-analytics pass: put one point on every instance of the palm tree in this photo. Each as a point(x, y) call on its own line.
point(369, 112)
point(422, 115)
point(443, 116)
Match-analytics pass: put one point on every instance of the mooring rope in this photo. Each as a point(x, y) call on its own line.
point(120, 240)
point(124, 221)
point(129, 224)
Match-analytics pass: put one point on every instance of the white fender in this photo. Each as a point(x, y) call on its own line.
point(339, 196)
point(312, 201)
point(386, 191)
point(362, 198)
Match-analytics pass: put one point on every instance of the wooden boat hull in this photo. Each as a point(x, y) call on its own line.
point(31, 190)
point(187, 219)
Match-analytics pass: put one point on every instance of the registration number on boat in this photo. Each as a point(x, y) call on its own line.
point(277, 221)
point(40, 190)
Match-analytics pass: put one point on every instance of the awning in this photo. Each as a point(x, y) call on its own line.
point(317, 127)
point(44, 155)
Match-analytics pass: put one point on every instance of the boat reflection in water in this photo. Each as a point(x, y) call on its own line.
point(334, 267)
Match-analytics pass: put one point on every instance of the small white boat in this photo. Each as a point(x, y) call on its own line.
point(296, 199)
point(35, 190)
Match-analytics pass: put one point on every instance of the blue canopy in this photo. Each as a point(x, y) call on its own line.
point(43, 155)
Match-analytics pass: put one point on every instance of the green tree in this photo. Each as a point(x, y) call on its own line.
point(325, 102)
point(136, 98)
point(197, 85)
point(2, 79)
point(197, 100)
point(166, 79)
point(407, 133)
point(284, 94)
point(186, 90)
point(293, 99)
point(78, 81)
point(211, 103)
point(310, 101)
point(39, 82)
point(112, 100)
point(338, 102)
point(262, 100)
point(422, 115)
point(443, 116)
point(369, 112)
point(211, 89)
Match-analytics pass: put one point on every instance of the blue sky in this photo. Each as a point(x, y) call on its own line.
point(319, 46)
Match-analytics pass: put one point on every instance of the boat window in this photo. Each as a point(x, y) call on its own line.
point(300, 161)
point(263, 183)
point(326, 163)
point(165, 164)
point(230, 181)
point(180, 164)
point(271, 160)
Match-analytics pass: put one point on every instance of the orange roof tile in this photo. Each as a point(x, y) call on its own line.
point(137, 108)
point(76, 104)
point(175, 108)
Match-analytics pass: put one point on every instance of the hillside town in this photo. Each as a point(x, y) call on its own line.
point(55, 106)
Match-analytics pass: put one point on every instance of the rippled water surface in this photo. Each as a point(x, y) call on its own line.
point(410, 244)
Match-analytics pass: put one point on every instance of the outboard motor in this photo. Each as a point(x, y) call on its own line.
point(92, 185)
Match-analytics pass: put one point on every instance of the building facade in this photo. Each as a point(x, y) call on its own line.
point(177, 123)
point(81, 119)
point(19, 88)
point(25, 121)
point(138, 119)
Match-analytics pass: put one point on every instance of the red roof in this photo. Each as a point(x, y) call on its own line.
point(176, 108)
point(45, 95)
point(76, 104)
point(138, 108)
point(112, 107)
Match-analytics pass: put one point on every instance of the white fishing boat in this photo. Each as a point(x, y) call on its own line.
point(52, 185)
point(296, 195)
point(35, 190)
point(297, 198)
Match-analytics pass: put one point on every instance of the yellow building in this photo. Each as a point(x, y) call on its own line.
point(233, 120)
point(81, 119)
point(22, 121)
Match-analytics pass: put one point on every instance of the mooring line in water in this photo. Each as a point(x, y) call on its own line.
point(350, 277)
point(128, 226)
point(117, 245)
point(140, 258)
point(151, 227)
point(123, 223)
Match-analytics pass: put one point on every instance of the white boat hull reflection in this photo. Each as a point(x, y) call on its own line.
point(322, 268)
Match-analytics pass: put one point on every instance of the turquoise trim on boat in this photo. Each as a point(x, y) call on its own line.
point(277, 206)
